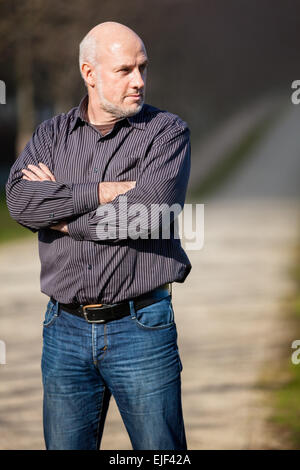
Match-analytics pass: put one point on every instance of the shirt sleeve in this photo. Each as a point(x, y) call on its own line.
point(40, 204)
point(162, 180)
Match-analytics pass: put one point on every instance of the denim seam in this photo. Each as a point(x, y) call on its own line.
point(94, 345)
point(46, 325)
point(49, 323)
point(105, 343)
point(99, 420)
point(160, 327)
point(179, 362)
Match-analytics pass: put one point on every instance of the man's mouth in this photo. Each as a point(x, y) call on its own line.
point(136, 96)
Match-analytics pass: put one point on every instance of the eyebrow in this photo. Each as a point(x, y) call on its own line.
point(145, 62)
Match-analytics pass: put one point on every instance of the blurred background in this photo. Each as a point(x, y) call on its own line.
point(226, 68)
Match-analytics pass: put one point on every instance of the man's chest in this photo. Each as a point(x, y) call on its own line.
point(86, 157)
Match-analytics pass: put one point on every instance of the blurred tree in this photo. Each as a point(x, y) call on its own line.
point(21, 19)
point(43, 38)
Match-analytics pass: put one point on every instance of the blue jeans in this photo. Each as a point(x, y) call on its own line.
point(135, 358)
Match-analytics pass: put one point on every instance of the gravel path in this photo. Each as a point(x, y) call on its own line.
point(228, 312)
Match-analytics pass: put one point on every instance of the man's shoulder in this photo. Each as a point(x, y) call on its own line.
point(58, 122)
point(162, 119)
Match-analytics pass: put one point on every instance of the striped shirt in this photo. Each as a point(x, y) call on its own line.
point(151, 148)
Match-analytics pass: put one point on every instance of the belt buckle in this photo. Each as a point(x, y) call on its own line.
point(85, 313)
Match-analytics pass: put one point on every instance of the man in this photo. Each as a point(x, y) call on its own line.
point(109, 326)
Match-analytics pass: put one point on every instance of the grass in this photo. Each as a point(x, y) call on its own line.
point(10, 229)
point(287, 412)
point(280, 379)
point(286, 398)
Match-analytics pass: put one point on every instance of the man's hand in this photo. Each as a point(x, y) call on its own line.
point(61, 227)
point(108, 190)
point(38, 173)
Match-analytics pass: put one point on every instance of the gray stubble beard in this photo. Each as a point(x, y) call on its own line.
point(111, 108)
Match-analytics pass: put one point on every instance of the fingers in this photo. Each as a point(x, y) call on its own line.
point(47, 171)
point(38, 173)
point(60, 227)
point(30, 175)
point(126, 186)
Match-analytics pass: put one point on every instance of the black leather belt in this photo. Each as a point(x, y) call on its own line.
point(103, 313)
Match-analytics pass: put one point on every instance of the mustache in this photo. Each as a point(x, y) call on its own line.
point(141, 93)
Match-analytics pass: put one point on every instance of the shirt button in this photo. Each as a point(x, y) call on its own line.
point(52, 215)
point(89, 266)
point(96, 170)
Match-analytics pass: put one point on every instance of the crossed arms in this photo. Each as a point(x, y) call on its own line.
point(36, 200)
point(107, 190)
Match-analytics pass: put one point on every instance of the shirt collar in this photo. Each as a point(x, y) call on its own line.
point(138, 120)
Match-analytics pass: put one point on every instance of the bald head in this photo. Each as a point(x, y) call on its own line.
point(106, 39)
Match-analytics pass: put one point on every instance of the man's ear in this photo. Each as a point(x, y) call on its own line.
point(88, 73)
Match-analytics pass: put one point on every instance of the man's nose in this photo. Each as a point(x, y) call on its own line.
point(137, 80)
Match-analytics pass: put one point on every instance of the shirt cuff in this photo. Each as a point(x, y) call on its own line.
point(79, 228)
point(85, 197)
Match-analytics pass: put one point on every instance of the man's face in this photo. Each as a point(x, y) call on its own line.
point(121, 78)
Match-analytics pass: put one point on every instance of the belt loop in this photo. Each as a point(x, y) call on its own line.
point(57, 306)
point(132, 309)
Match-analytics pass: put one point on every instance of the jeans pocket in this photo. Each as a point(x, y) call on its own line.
point(50, 315)
point(158, 315)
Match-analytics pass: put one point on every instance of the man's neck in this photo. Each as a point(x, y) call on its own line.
point(97, 116)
